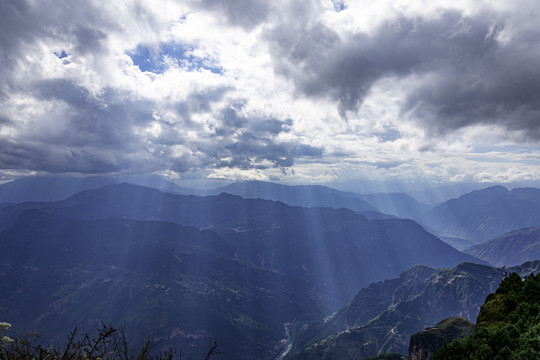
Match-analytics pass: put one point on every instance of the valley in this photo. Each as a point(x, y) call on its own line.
point(269, 180)
point(259, 273)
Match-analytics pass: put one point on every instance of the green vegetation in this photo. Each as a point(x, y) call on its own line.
point(427, 342)
point(106, 343)
point(391, 356)
point(508, 326)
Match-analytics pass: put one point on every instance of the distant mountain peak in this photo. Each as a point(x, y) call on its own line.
point(484, 214)
point(495, 189)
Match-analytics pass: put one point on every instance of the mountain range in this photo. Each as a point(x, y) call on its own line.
point(470, 219)
point(395, 204)
point(427, 342)
point(463, 222)
point(511, 248)
point(186, 269)
point(382, 317)
point(172, 283)
point(253, 264)
point(55, 188)
point(337, 249)
point(482, 215)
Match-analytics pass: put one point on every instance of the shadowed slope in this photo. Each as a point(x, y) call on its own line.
point(510, 249)
point(337, 249)
point(177, 284)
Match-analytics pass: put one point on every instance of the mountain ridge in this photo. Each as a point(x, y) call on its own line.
point(511, 248)
point(157, 278)
point(317, 244)
point(382, 317)
point(484, 214)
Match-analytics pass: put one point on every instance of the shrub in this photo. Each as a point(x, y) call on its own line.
point(105, 343)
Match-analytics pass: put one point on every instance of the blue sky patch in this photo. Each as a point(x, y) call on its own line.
point(338, 5)
point(61, 55)
point(155, 60)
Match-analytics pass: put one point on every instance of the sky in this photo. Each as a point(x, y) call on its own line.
point(299, 91)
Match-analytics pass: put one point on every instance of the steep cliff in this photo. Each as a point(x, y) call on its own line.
point(426, 343)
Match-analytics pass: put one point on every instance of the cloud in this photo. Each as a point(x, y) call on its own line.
point(71, 130)
point(323, 63)
point(456, 69)
point(243, 140)
point(81, 110)
point(112, 132)
point(502, 88)
point(287, 89)
point(244, 13)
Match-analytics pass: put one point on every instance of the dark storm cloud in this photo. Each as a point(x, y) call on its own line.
point(198, 102)
point(105, 120)
point(502, 89)
point(108, 130)
point(16, 29)
point(321, 63)
point(88, 40)
point(306, 151)
point(96, 134)
point(58, 158)
point(25, 25)
point(23, 22)
point(243, 13)
point(469, 76)
point(252, 142)
point(89, 134)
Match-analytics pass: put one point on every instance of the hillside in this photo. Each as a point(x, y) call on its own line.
point(427, 342)
point(178, 285)
point(382, 317)
point(396, 204)
point(509, 249)
point(337, 249)
point(187, 269)
point(507, 326)
point(299, 195)
point(55, 188)
point(484, 214)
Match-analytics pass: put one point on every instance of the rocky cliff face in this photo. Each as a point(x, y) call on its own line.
point(511, 248)
point(382, 317)
point(426, 343)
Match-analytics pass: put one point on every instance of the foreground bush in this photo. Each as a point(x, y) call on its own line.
point(508, 326)
point(105, 343)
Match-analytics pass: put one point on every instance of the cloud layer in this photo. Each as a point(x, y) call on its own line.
point(293, 90)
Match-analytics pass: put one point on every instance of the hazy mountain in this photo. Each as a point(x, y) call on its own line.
point(299, 195)
point(382, 317)
point(458, 243)
point(135, 255)
point(434, 195)
point(49, 188)
point(397, 204)
point(177, 284)
point(484, 214)
point(54, 188)
point(509, 249)
point(337, 249)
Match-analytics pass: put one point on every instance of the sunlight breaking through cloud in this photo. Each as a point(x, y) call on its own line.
point(313, 90)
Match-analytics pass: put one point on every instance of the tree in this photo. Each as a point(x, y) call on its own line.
point(105, 343)
point(508, 325)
